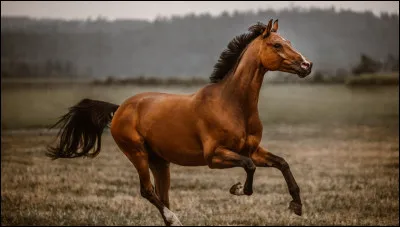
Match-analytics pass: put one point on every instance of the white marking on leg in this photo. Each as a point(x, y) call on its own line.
point(171, 217)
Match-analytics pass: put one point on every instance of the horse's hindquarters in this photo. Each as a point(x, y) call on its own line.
point(165, 123)
point(169, 129)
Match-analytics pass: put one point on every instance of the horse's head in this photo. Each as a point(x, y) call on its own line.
point(277, 53)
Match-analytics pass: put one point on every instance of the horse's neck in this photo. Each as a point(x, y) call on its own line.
point(242, 87)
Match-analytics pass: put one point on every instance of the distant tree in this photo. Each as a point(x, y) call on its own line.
point(49, 68)
point(391, 64)
point(340, 75)
point(318, 77)
point(57, 67)
point(225, 14)
point(24, 70)
point(235, 13)
point(367, 65)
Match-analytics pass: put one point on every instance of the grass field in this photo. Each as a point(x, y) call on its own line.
point(373, 79)
point(342, 145)
point(40, 105)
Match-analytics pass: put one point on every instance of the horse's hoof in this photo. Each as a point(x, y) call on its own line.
point(237, 189)
point(295, 208)
point(170, 218)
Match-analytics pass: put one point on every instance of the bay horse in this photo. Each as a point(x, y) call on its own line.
point(217, 126)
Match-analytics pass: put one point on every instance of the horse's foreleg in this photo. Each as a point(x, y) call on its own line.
point(262, 158)
point(222, 158)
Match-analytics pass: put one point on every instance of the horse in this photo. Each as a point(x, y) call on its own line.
point(217, 126)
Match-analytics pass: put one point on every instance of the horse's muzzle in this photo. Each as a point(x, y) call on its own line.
point(304, 69)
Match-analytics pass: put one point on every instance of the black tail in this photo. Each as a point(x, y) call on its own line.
point(81, 127)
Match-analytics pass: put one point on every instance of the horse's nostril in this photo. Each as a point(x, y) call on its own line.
point(305, 65)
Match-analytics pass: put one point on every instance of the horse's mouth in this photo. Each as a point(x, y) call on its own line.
point(303, 73)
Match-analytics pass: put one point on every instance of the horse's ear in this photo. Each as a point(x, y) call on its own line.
point(267, 30)
point(275, 26)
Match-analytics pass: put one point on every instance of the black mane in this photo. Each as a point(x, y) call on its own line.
point(229, 56)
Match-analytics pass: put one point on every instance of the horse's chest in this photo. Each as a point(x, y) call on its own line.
point(245, 144)
point(241, 137)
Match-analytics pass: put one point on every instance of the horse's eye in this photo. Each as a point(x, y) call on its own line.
point(277, 45)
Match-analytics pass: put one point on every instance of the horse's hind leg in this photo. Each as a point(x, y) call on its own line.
point(137, 154)
point(161, 173)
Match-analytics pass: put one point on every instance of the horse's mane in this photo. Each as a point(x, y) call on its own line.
point(230, 56)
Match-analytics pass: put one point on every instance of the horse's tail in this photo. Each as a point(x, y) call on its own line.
point(81, 127)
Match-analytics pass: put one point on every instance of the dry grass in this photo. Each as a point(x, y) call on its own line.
point(348, 175)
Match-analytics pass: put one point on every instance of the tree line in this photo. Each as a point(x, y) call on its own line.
point(187, 46)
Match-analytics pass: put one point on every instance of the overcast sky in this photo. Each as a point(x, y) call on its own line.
point(151, 9)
